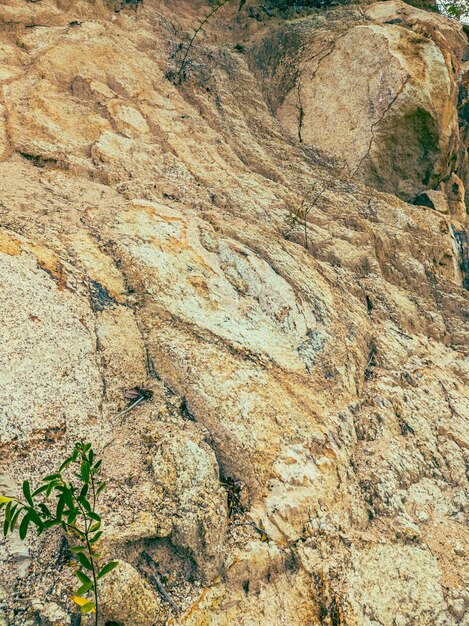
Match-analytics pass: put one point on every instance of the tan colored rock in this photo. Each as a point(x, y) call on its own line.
point(193, 499)
point(456, 194)
point(250, 567)
point(33, 407)
point(387, 597)
point(436, 200)
point(270, 604)
point(51, 614)
point(128, 599)
point(391, 114)
point(146, 240)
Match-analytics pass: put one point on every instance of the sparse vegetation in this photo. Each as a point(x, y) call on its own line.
point(299, 214)
point(182, 65)
point(458, 9)
point(74, 491)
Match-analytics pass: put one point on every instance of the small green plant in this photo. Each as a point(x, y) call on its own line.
point(457, 9)
point(74, 490)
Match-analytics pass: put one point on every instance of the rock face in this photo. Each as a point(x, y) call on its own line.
point(381, 94)
point(302, 459)
point(188, 473)
point(126, 597)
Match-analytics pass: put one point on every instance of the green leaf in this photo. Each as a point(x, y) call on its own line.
point(78, 549)
point(35, 517)
point(6, 526)
point(97, 466)
point(45, 511)
point(68, 494)
point(60, 507)
point(50, 486)
point(100, 488)
point(88, 607)
point(50, 523)
point(84, 491)
point(40, 490)
point(85, 504)
point(78, 532)
point(24, 526)
point(14, 518)
point(27, 492)
point(82, 577)
point(8, 513)
point(65, 464)
point(10, 510)
point(94, 516)
point(108, 568)
point(50, 477)
point(72, 516)
point(95, 527)
point(84, 588)
point(96, 537)
point(85, 471)
point(84, 561)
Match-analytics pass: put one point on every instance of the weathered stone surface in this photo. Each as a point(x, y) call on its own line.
point(381, 96)
point(194, 500)
point(147, 240)
point(128, 599)
point(51, 614)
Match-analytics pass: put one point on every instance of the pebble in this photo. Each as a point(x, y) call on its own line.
point(459, 549)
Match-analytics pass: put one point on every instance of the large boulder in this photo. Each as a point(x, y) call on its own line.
point(378, 92)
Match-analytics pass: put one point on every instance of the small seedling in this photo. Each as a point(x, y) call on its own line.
point(299, 215)
point(457, 9)
point(73, 510)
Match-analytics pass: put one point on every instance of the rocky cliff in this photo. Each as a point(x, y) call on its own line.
point(277, 249)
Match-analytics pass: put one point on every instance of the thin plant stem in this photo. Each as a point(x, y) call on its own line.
point(76, 515)
point(90, 554)
point(129, 408)
point(95, 580)
point(182, 67)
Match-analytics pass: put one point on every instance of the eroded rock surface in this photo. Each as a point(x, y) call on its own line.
point(378, 90)
point(302, 459)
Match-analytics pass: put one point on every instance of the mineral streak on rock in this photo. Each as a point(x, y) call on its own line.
point(301, 460)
